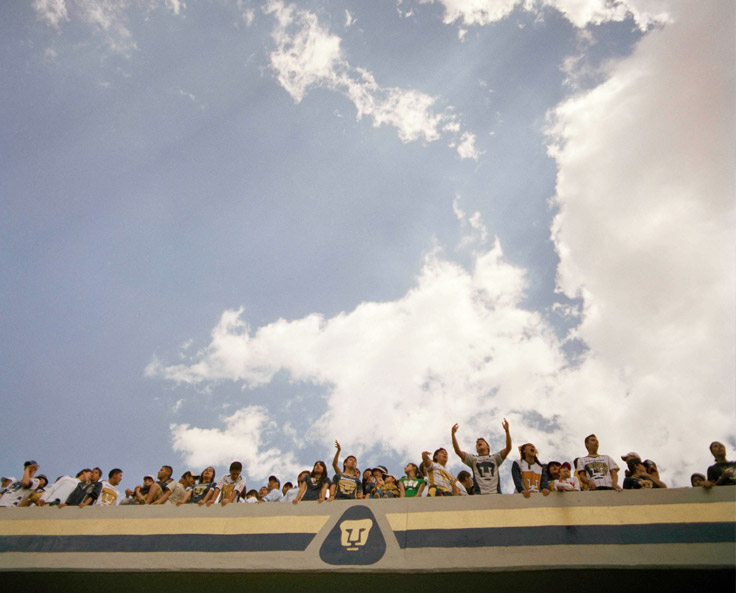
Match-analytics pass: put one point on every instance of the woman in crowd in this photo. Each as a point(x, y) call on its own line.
point(528, 473)
point(411, 484)
point(314, 486)
point(198, 493)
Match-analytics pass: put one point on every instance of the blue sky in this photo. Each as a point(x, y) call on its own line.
point(242, 230)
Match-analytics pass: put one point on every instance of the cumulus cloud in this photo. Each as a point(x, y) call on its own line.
point(52, 12)
point(645, 192)
point(307, 55)
point(245, 438)
point(579, 13)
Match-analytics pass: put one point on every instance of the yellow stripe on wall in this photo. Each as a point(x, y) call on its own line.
point(215, 526)
point(602, 515)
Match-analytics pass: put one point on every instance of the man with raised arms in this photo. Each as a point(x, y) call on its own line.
point(484, 465)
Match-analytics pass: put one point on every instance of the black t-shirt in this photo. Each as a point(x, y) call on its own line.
point(347, 486)
point(199, 491)
point(717, 470)
point(314, 487)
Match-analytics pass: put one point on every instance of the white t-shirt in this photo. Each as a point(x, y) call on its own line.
point(61, 489)
point(568, 485)
point(226, 485)
point(109, 496)
point(485, 471)
point(17, 493)
point(598, 468)
point(440, 477)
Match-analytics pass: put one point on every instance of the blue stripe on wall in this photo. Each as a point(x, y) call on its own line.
point(575, 535)
point(264, 542)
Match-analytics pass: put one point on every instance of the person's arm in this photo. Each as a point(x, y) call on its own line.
point(402, 492)
point(165, 495)
point(518, 482)
point(300, 494)
point(211, 497)
point(507, 449)
point(336, 458)
point(233, 495)
point(583, 475)
point(614, 479)
point(28, 473)
point(152, 492)
point(460, 453)
point(421, 488)
point(654, 477)
point(93, 495)
point(426, 460)
point(323, 491)
point(544, 483)
point(187, 496)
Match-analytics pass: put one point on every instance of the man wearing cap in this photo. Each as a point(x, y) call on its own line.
point(598, 472)
point(484, 465)
point(175, 491)
point(21, 489)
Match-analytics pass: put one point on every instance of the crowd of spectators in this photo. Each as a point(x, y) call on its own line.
point(430, 478)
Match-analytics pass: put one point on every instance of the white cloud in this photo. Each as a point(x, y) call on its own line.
point(579, 12)
point(466, 147)
point(645, 192)
point(308, 55)
point(244, 438)
point(349, 19)
point(104, 17)
point(52, 12)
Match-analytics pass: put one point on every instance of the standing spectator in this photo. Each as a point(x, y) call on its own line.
point(640, 478)
point(273, 490)
point(229, 487)
point(411, 484)
point(21, 489)
point(484, 465)
point(722, 472)
point(63, 487)
point(566, 482)
point(346, 483)
point(314, 485)
point(175, 492)
point(598, 472)
point(697, 480)
point(109, 493)
point(440, 479)
point(528, 473)
point(198, 492)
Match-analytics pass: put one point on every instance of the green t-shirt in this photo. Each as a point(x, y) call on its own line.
point(411, 485)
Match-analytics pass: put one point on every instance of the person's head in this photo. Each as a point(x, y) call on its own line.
point(440, 456)
point(251, 494)
point(718, 450)
point(411, 470)
point(389, 479)
point(188, 479)
point(96, 474)
point(528, 453)
point(235, 468)
point(636, 466)
point(481, 446)
point(148, 481)
point(350, 463)
point(165, 472)
point(43, 481)
point(651, 466)
point(319, 470)
point(115, 476)
point(591, 444)
point(262, 491)
point(379, 472)
point(553, 470)
point(84, 475)
point(368, 475)
point(273, 483)
point(286, 487)
point(8, 481)
point(565, 471)
point(465, 479)
point(697, 480)
point(630, 455)
point(207, 475)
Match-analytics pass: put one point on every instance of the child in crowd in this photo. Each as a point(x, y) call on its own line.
point(229, 487)
point(566, 482)
point(411, 484)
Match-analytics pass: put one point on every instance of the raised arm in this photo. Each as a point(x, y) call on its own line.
point(336, 458)
point(458, 450)
point(28, 474)
point(426, 460)
point(507, 449)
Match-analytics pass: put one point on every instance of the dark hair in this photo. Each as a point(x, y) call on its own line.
point(112, 472)
point(523, 448)
point(462, 475)
point(201, 476)
point(289, 484)
point(236, 465)
point(632, 463)
point(98, 469)
point(696, 475)
point(275, 479)
point(81, 471)
point(588, 438)
point(169, 468)
point(482, 439)
point(254, 492)
point(434, 455)
point(344, 461)
point(323, 477)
